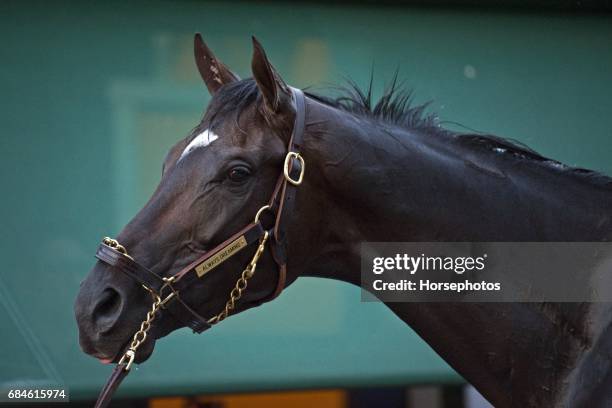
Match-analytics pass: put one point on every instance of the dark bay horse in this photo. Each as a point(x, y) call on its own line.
point(383, 172)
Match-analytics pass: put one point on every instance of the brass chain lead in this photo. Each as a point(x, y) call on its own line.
point(141, 335)
point(113, 243)
point(241, 283)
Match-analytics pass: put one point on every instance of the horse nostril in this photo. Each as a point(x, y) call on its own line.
point(108, 307)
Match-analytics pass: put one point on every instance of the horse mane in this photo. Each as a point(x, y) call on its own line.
point(396, 107)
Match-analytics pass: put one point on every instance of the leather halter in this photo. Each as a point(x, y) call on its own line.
point(168, 291)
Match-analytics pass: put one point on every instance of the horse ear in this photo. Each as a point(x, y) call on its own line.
point(214, 73)
point(276, 94)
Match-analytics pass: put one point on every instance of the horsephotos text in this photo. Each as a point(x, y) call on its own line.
point(412, 264)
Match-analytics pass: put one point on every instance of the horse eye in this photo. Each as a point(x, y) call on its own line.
point(238, 173)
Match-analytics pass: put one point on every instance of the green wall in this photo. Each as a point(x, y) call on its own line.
point(94, 93)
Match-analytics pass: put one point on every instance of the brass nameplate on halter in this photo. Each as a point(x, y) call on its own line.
point(222, 256)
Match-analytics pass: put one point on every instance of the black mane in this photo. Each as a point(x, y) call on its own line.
point(395, 107)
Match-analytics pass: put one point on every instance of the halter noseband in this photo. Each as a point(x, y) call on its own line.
point(166, 291)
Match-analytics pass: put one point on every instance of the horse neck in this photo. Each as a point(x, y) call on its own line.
point(374, 183)
point(385, 183)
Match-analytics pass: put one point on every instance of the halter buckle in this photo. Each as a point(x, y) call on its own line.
point(288, 158)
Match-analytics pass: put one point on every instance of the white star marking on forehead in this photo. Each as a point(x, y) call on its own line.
point(202, 140)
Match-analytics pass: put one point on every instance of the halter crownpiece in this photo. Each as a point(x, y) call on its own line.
point(166, 291)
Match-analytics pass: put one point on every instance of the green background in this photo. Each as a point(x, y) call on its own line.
point(94, 93)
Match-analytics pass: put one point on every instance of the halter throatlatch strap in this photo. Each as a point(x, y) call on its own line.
point(166, 291)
